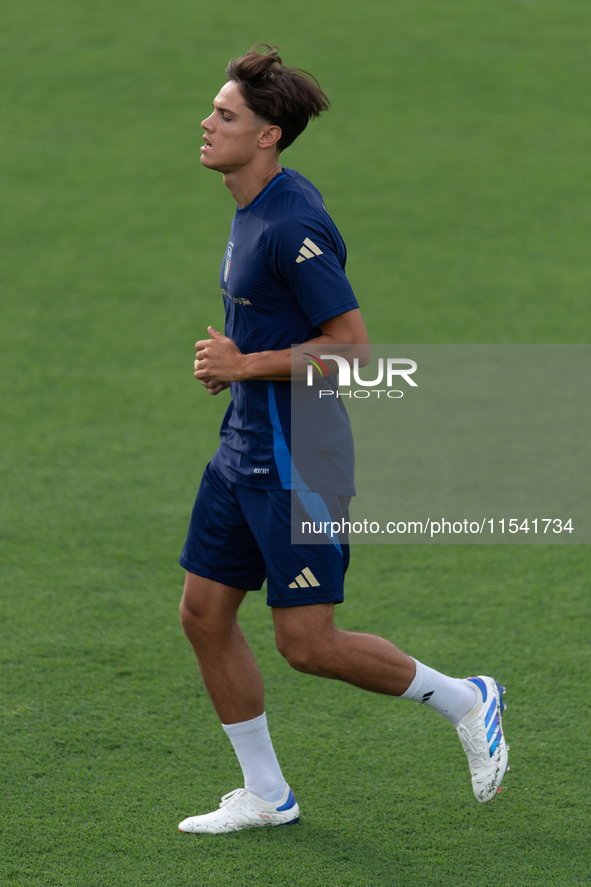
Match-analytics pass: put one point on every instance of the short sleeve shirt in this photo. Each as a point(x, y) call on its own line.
point(282, 275)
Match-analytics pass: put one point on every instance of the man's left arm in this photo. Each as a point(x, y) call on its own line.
point(219, 361)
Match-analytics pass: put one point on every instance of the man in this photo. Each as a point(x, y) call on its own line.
point(283, 281)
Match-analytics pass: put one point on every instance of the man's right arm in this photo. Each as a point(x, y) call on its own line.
point(219, 361)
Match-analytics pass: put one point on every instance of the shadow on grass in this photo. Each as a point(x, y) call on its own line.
point(386, 851)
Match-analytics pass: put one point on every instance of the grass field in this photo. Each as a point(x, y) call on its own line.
point(455, 161)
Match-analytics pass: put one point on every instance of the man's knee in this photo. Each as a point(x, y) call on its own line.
point(208, 609)
point(193, 619)
point(303, 656)
point(193, 606)
point(188, 614)
point(305, 637)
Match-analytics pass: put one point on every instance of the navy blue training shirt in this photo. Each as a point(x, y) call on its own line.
point(283, 273)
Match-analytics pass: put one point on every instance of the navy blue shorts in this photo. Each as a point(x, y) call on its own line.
point(240, 536)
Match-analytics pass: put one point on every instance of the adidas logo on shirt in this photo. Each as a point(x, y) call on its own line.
point(308, 250)
point(305, 579)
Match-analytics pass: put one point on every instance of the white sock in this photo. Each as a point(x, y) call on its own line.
point(451, 697)
point(255, 752)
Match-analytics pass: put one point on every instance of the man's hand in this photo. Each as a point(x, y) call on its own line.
point(218, 361)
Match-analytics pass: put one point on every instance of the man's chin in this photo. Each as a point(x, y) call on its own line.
point(205, 161)
point(209, 162)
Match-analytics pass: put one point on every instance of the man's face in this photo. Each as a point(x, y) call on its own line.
point(232, 132)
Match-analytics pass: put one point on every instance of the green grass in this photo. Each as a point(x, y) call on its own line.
point(455, 162)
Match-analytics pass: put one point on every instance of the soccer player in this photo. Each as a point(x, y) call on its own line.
point(283, 281)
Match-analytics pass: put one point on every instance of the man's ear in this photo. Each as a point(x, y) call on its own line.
point(270, 136)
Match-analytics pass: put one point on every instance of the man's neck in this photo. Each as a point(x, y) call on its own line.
point(245, 184)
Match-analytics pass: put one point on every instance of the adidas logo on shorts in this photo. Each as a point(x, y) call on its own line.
point(305, 579)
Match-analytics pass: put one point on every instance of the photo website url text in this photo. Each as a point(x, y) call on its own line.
point(432, 528)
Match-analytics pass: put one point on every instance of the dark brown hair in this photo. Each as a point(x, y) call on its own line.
point(287, 97)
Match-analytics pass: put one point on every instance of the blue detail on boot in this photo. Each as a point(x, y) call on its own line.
point(291, 801)
point(498, 738)
point(480, 683)
point(490, 712)
point(492, 728)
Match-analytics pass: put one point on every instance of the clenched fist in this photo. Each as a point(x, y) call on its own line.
point(218, 361)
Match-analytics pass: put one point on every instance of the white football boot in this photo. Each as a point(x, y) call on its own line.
point(242, 809)
point(481, 734)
